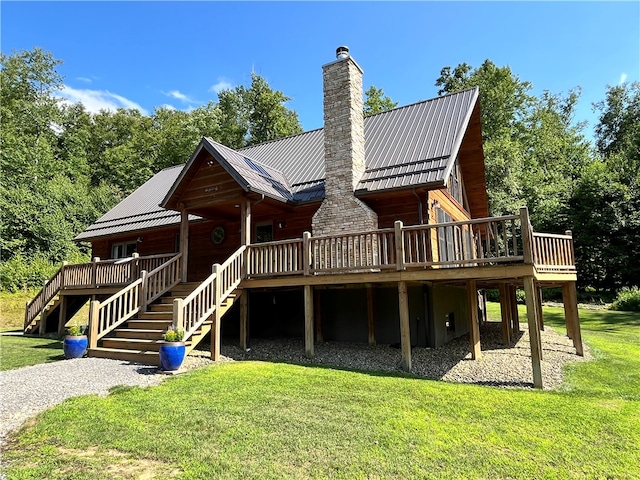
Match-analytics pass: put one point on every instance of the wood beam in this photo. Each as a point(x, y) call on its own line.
point(370, 319)
point(245, 222)
point(474, 327)
point(244, 319)
point(572, 318)
point(534, 334)
point(540, 316)
point(308, 321)
point(515, 316)
point(505, 314)
point(184, 243)
point(405, 330)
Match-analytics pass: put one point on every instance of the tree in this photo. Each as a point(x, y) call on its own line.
point(376, 101)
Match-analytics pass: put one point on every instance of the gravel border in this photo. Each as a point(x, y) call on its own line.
point(27, 391)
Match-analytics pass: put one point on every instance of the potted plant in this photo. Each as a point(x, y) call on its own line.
point(75, 341)
point(173, 350)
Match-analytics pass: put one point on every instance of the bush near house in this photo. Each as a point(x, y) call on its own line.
point(628, 300)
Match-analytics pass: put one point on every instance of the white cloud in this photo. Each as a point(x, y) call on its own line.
point(223, 84)
point(623, 78)
point(168, 106)
point(84, 79)
point(178, 95)
point(96, 100)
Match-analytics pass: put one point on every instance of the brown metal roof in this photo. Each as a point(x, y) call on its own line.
point(406, 147)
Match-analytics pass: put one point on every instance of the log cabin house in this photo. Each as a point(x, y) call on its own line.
point(368, 230)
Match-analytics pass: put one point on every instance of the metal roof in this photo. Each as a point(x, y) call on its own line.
point(405, 147)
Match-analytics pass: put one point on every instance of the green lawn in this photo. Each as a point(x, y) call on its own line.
point(268, 420)
point(19, 351)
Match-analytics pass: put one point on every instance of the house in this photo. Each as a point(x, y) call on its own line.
point(369, 230)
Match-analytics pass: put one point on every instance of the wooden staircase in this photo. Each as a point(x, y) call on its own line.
point(50, 314)
point(139, 339)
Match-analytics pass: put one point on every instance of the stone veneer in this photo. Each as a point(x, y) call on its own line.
point(341, 211)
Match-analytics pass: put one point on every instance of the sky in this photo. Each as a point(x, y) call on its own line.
point(180, 54)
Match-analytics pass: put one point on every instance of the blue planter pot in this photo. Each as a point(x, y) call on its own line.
point(172, 355)
point(74, 346)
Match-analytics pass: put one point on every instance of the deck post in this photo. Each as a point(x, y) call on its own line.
point(94, 272)
point(527, 236)
point(135, 266)
point(399, 245)
point(370, 320)
point(540, 317)
point(405, 329)
point(317, 315)
point(306, 253)
point(245, 222)
point(144, 288)
point(534, 332)
point(42, 327)
point(505, 314)
point(184, 243)
point(178, 313)
point(244, 319)
point(94, 312)
point(215, 330)
point(308, 321)
point(62, 269)
point(62, 315)
point(515, 316)
point(572, 318)
point(474, 326)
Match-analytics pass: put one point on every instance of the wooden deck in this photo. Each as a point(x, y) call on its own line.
point(497, 252)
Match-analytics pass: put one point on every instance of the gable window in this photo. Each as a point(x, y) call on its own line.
point(455, 188)
point(123, 249)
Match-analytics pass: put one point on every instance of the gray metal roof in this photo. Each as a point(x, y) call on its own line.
point(140, 210)
point(405, 147)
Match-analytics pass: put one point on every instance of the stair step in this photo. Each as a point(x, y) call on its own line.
point(147, 324)
point(139, 356)
point(136, 344)
point(155, 315)
point(161, 307)
point(148, 333)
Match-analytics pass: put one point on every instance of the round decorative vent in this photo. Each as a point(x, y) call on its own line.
point(217, 235)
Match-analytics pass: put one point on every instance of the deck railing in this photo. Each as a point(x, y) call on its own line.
point(469, 243)
point(190, 313)
point(107, 315)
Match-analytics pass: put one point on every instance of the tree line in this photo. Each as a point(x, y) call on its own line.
point(63, 167)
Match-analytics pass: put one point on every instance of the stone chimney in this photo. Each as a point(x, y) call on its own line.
point(344, 161)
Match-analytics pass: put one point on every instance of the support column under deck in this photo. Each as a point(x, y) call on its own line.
point(308, 321)
point(572, 318)
point(534, 333)
point(62, 314)
point(505, 314)
point(370, 319)
point(244, 319)
point(405, 330)
point(474, 327)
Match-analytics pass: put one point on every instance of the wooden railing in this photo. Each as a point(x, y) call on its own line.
point(191, 312)
point(95, 274)
point(160, 280)
point(468, 243)
point(553, 253)
point(107, 315)
point(120, 307)
point(275, 258)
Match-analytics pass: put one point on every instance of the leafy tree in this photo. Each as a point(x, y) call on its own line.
point(376, 101)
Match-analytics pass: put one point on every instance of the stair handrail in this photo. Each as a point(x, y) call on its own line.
point(48, 292)
point(114, 311)
point(191, 312)
point(118, 308)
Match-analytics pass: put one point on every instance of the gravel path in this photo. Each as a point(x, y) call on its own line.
point(27, 391)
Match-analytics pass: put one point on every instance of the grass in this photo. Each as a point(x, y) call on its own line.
point(19, 351)
point(12, 308)
point(268, 420)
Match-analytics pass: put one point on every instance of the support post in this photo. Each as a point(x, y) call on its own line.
point(534, 333)
point(178, 313)
point(317, 315)
point(572, 318)
point(184, 243)
point(306, 253)
point(62, 315)
point(217, 317)
point(308, 321)
point(370, 319)
point(245, 222)
point(94, 272)
point(505, 313)
point(135, 266)
point(244, 319)
point(527, 236)
point(515, 316)
point(42, 327)
point(405, 330)
point(474, 326)
point(94, 311)
point(540, 316)
point(144, 291)
point(399, 245)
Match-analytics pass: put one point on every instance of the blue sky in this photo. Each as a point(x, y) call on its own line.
point(149, 54)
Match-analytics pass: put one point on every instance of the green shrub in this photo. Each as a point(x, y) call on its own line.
point(173, 334)
point(628, 300)
point(19, 273)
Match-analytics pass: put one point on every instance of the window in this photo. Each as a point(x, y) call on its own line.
point(123, 249)
point(264, 232)
point(455, 187)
